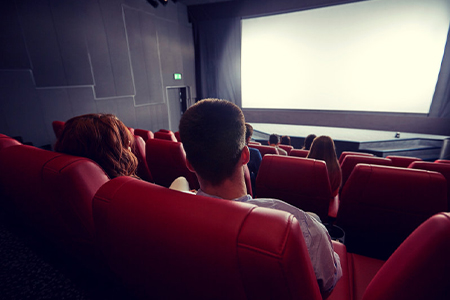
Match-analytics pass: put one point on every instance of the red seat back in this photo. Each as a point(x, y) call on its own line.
point(53, 192)
point(167, 161)
point(166, 244)
point(345, 153)
point(286, 147)
point(164, 134)
point(402, 161)
point(418, 269)
point(144, 134)
point(301, 182)
point(350, 161)
point(380, 206)
point(139, 151)
point(58, 127)
point(299, 152)
point(177, 136)
point(6, 141)
point(442, 161)
point(265, 149)
point(444, 169)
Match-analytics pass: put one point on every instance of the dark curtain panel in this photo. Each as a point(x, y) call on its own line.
point(218, 59)
point(440, 106)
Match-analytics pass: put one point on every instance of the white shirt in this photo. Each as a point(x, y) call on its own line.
point(326, 262)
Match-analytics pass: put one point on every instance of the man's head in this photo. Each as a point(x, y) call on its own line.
point(274, 139)
point(213, 135)
point(248, 132)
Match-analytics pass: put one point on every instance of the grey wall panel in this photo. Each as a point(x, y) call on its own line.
point(169, 46)
point(21, 107)
point(69, 23)
point(82, 100)
point(145, 118)
point(152, 117)
point(113, 22)
point(98, 48)
point(79, 56)
point(40, 36)
point(168, 12)
point(122, 107)
point(187, 50)
point(13, 49)
point(144, 53)
point(56, 106)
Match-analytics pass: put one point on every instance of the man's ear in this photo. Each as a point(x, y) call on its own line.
point(245, 155)
point(189, 166)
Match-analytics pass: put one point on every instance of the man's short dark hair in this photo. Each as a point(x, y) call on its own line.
point(248, 131)
point(213, 135)
point(274, 139)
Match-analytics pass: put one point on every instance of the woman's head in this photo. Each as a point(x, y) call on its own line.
point(323, 148)
point(308, 141)
point(102, 138)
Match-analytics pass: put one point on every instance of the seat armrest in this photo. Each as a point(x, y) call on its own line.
point(342, 290)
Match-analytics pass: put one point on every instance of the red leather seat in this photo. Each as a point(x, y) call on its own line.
point(167, 161)
point(265, 149)
point(139, 151)
point(350, 161)
point(6, 141)
point(250, 143)
point(380, 206)
point(444, 169)
point(177, 136)
point(53, 193)
point(164, 134)
point(345, 153)
point(299, 153)
point(442, 161)
point(402, 161)
point(131, 129)
point(287, 148)
point(301, 182)
point(144, 134)
point(165, 244)
point(58, 127)
point(418, 269)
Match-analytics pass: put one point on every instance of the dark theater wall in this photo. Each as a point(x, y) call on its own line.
point(59, 59)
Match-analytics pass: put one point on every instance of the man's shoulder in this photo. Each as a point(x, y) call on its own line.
point(254, 150)
point(282, 151)
point(254, 153)
point(277, 204)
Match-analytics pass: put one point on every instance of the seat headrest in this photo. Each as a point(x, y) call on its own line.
point(301, 182)
point(169, 244)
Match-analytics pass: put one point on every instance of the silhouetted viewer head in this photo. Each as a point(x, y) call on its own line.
point(213, 135)
point(274, 139)
point(308, 141)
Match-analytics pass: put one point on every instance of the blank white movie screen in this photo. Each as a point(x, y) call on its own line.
point(379, 55)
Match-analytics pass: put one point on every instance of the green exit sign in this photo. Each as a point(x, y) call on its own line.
point(177, 76)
